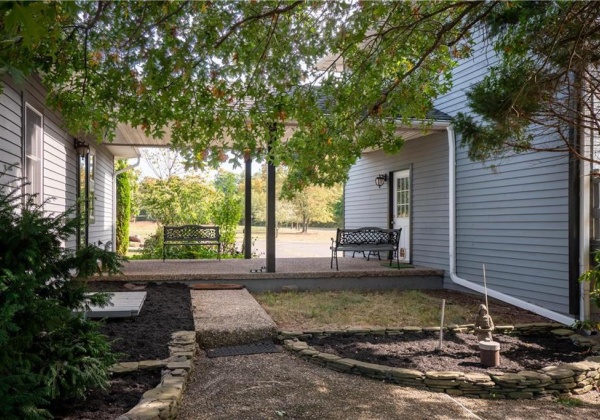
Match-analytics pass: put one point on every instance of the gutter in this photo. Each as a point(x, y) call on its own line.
point(555, 316)
point(114, 201)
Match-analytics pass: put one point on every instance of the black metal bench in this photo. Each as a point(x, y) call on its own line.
point(365, 239)
point(192, 235)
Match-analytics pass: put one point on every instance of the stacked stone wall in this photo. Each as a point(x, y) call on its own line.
point(568, 378)
point(162, 402)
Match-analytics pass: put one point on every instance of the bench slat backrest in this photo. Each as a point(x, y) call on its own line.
point(197, 233)
point(368, 235)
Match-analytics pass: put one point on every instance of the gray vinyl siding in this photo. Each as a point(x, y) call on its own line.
point(516, 222)
point(59, 157)
point(367, 205)
point(511, 214)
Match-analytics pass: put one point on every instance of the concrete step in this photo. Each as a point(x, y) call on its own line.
point(229, 317)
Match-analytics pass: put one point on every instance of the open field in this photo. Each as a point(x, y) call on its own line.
point(290, 243)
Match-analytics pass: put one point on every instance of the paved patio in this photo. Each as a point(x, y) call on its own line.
point(291, 273)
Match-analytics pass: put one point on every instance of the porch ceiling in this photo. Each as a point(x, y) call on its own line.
point(129, 139)
point(415, 131)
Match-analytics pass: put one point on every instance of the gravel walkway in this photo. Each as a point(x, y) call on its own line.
point(276, 386)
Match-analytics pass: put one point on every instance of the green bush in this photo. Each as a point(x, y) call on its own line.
point(123, 208)
point(592, 276)
point(227, 209)
point(47, 354)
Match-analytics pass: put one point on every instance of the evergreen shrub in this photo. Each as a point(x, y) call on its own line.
point(48, 354)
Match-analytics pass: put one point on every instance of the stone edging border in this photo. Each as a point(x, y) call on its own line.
point(564, 379)
point(162, 402)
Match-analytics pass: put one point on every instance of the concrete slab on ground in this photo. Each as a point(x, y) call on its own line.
point(229, 317)
point(122, 305)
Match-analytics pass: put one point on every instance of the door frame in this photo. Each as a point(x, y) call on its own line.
point(391, 186)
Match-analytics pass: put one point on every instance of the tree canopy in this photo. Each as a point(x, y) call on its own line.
point(229, 75)
point(315, 203)
point(222, 74)
point(544, 85)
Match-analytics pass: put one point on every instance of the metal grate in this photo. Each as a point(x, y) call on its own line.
point(251, 348)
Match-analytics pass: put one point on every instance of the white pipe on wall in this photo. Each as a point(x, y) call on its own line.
point(564, 319)
point(585, 188)
point(114, 201)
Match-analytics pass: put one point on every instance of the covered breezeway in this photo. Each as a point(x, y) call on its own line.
point(128, 140)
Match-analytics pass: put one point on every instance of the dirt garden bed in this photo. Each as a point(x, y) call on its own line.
point(167, 309)
point(460, 352)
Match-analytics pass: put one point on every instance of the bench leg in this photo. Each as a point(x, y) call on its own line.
point(334, 256)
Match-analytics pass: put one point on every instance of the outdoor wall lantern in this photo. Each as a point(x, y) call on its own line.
point(380, 180)
point(81, 148)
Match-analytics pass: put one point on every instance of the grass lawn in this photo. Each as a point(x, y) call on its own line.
point(338, 309)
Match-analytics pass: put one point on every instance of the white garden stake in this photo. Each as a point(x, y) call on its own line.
point(442, 322)
point(485, 290)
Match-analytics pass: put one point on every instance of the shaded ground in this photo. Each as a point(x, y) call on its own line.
point(460, 351)
point(124, 393)
point(167, 309)
point(273, 386)
point(282, 386)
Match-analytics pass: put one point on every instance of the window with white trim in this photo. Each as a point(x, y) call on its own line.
point(33, 152)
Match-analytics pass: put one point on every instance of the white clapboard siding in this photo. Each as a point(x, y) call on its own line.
point(59, 157)
point(10, 134)
point(101, 229)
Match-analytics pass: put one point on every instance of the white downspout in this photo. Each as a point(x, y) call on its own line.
point(564, 319)
point(114, 202)
point(585, 191)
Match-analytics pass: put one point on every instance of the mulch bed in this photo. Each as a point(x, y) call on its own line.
point(460, 352)
point(124, 393)
point(167, 309)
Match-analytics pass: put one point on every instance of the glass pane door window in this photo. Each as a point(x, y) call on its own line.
point(401, 207)
point(33, 153)
point(403, 197)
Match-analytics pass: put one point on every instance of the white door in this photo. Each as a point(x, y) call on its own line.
point(401, 212)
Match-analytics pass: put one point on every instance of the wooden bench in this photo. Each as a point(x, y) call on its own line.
point(367, 239)
point(192, 235)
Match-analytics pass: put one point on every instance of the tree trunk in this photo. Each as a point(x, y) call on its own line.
point(305, 225)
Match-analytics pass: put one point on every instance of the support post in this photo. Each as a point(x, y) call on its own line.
point(248, 208)
point(271, 220)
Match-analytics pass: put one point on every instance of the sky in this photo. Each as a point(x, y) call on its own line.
point(147, 171)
